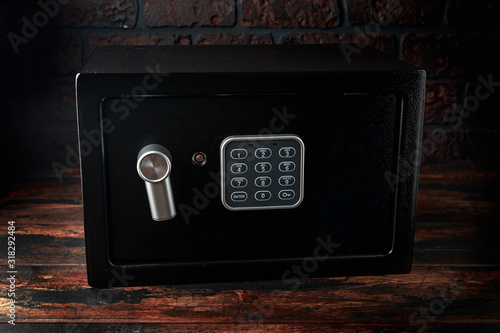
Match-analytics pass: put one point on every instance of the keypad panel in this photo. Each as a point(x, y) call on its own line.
point(262, 172)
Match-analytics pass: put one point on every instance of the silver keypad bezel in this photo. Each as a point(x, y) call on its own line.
point(226, 178)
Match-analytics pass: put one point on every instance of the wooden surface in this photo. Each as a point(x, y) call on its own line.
point(454, 285)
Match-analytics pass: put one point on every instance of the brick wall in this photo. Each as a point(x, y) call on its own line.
point(45, 43)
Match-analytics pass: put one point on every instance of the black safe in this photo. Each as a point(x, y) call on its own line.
point(226, 163)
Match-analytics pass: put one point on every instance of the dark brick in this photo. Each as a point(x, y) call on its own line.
point(229, 38)
point(79, 13)
point(440, 102)
point(474, 14)
point(481, 105)
point(35, 100)
point(395, 12)
point(98, 13)
point(290, 14)
point(442, 143)
point(180, 13)
point(452, 55)
point(145, 39)
point(43, 54)
point(382, 42)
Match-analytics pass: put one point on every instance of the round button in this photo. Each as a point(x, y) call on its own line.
point(154, 167)
point(199, 159)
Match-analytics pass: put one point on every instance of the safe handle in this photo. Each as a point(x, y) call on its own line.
point(154, 167)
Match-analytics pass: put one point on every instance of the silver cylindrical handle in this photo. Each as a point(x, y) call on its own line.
point(154, 166)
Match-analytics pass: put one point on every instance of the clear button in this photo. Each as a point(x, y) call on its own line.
point(286, 194)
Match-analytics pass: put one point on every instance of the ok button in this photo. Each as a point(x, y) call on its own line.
point(239, 196)
point(286, 194)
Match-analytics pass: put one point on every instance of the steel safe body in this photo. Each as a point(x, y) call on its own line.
point(274, 162)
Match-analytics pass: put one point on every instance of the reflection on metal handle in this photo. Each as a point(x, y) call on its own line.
point(154, 166)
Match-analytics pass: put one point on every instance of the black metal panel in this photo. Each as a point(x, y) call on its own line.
point(355, 124)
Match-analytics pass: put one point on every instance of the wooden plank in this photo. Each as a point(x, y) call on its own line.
point(459, 171)
point(461, 243)
point(427, 294)
point(441, 203)
point(456, 258)
point(458, 236)
point(457, 224)
point(65, 215)
point(42, 195)
point(48, 244)
point(458, 191)
point(446, 191)
point(364, 326)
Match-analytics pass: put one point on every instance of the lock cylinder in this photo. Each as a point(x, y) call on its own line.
point(154, 167)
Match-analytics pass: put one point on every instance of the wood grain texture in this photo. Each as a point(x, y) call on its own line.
point(454, 285)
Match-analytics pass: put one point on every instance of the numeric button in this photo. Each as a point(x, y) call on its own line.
point(262, 181)
point(263, 167)
point(287, 152)
point(262, 195)
point(263, 152)
point(286, 180)
point(287, 166)
point(238, 168)
point(239, 182)
point(239, 153)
